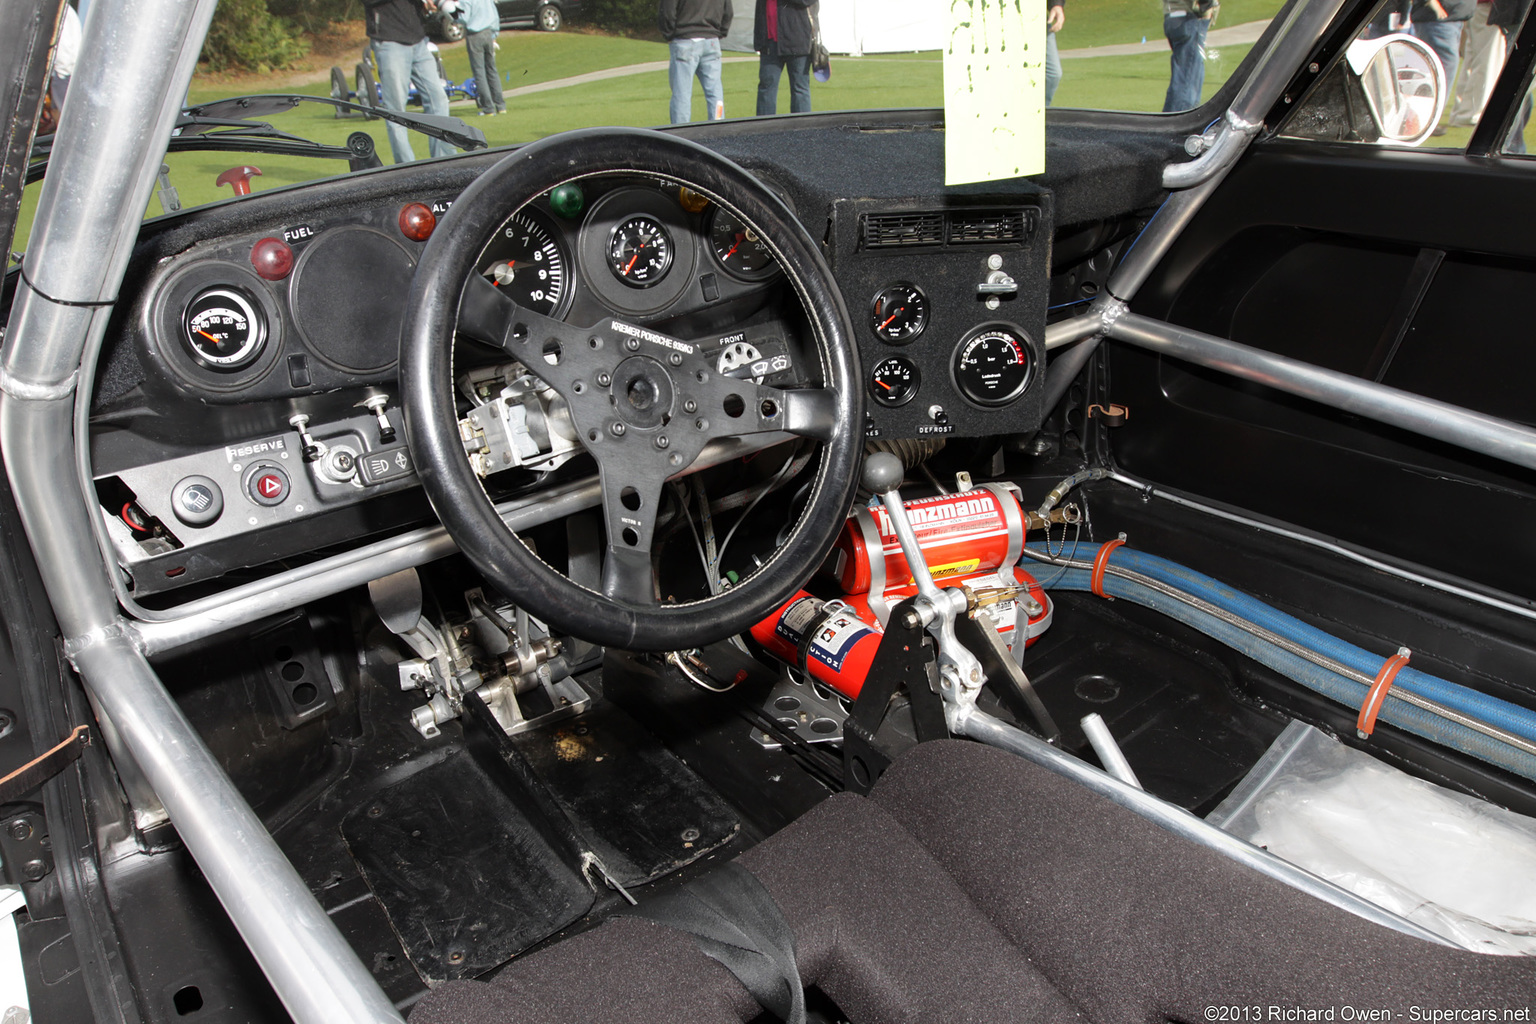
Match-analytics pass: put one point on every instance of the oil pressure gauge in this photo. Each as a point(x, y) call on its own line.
point(899, 313)
point(894, 381)
point(223, 329)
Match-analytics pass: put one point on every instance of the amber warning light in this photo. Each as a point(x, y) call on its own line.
point(417, 221)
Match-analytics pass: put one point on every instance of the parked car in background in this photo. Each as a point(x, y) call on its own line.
point(546, 15)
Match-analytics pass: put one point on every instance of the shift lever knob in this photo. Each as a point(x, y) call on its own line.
point(882, 472)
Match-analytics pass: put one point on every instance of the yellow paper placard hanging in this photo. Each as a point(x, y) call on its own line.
point(994, 90)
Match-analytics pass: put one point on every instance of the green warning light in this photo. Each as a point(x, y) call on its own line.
point(567, 200)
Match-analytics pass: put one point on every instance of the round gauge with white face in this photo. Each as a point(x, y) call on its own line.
point(223, 329)
point(640, 251)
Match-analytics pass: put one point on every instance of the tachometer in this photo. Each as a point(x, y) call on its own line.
point(992, 365)
point(223, 329)
point(526, 261)
point(640, 251)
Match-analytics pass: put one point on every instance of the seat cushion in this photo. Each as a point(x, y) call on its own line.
point(1136, 924)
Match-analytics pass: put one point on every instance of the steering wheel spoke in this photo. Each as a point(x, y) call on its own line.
point(733, 406)
point(631, 500)
point(541, 343)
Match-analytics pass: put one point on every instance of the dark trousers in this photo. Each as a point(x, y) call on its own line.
point(771, 64)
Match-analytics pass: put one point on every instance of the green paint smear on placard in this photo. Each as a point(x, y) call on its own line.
point(994, 90)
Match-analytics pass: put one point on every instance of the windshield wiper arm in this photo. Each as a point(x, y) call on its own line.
point(451, 130)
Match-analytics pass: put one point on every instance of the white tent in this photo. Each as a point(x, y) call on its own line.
point(859, 26)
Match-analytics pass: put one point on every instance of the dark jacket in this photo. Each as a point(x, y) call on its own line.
point(1455, 10)
point(395, 21)
point(794, 27)
point(694, 19)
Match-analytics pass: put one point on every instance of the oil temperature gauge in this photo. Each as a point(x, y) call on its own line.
point(992, 365)
point(223, 329)
point(894, 381)
point(640, 251)
point(899, 313)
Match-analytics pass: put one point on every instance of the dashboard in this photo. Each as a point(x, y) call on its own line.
point(245, 412)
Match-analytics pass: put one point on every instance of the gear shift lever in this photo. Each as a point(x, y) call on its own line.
point(960, 673)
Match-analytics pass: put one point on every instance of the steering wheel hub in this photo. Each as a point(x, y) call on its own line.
point(642, 392)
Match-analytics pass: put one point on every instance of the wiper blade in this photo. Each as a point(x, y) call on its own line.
point(451, 130)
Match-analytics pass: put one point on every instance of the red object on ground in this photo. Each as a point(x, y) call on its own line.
point(272, 258)
point(239, 179)
point(417, 221)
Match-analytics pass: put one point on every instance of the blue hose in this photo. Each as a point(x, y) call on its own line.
point(1514, 719)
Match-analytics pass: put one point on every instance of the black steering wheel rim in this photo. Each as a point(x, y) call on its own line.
point(456, 493)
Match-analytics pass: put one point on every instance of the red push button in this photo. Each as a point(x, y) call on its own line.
point(267, 485)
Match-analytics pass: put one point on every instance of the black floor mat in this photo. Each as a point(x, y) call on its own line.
point(643, 811)
point(466, 880)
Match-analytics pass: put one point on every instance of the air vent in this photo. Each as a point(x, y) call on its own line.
point(903, 230)
point(936, 228)
point(968, 227)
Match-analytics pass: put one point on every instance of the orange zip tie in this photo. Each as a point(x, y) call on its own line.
point(1376, 696)
point(1100, 561)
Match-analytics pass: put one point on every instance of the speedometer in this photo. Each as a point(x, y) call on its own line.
point(528, 263)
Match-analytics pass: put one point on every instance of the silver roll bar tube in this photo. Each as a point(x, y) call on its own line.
point(1474, 431)
point(136, 63)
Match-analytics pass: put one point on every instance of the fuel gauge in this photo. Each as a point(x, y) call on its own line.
point(899, 313)
point(894, 381)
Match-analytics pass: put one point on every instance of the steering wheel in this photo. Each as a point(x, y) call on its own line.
point(643, 403)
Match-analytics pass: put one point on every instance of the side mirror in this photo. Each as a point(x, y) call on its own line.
point(1389, 90)
point(1403, 83)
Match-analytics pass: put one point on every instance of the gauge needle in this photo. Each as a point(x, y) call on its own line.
point(893, 316)
point(216, 341)
point(885, 385)
point(732, 251)
point(631, 263)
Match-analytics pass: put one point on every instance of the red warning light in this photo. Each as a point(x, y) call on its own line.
point(417, 221)
point(272, 258)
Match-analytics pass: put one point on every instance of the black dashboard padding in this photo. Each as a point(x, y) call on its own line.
point(348, 292)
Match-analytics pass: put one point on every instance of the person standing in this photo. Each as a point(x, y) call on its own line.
point(481, 24)
point(693, 30)
point(1055, 18)
point(400, 50)
point(782, 37)
point(1185, 23)
point(1439, 23)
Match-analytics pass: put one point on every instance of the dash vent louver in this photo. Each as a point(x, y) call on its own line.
point(939, 228)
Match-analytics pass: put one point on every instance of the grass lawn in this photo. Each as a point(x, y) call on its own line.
point(1135, 82)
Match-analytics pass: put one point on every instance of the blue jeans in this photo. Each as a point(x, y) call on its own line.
point(695, 57)
point(770, 65)
point(399, 66)
point(481, 47)
point(1052, 67)
point(1444, 37)
point(1186, 36)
